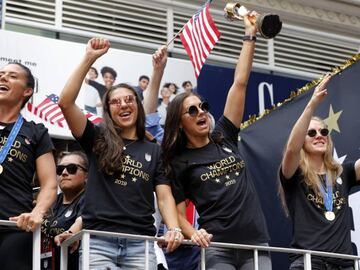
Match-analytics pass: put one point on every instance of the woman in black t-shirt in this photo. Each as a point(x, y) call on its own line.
point(72, 175)
point(124, 170)
point(27, 151)
point(315, 189)
point(210, 170)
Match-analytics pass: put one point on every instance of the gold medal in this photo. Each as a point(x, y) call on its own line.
point(330, 215)
point(1, 169)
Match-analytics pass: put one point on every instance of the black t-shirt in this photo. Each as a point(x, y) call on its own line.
point(60, 218)
point(216, 180)
point(19, 167)
point(311, 230)
point(123, 202)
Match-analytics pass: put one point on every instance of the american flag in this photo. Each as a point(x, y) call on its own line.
point(50, 111)
point(199, 36)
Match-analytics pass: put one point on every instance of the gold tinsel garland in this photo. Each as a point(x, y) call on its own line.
point(305, 88)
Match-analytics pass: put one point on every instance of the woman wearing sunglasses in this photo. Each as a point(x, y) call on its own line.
point(124, 170)
point(315, 189)
point(72, 175)
point(210, 170)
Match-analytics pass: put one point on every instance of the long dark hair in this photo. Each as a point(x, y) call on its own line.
point(174, 137)
point(109, 145)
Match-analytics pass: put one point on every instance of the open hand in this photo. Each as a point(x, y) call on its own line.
point(320, 91)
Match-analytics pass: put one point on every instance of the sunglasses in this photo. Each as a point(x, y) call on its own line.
point(129, 99)
point(193, 110)
point(70, 168)
point(323, 132)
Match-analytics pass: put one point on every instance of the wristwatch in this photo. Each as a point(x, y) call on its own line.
point(250, 38)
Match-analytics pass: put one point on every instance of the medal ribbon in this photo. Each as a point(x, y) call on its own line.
point(11, 138)
point(327, 194)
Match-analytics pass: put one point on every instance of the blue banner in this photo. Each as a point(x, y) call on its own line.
point(263, 91)
point(263, 143)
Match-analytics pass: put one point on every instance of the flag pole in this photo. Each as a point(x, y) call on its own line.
point(177, 34)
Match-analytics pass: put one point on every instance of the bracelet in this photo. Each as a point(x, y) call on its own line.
point(249, 38)
point(175, 229)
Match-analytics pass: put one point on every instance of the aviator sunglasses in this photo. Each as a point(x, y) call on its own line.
point(323, 132)
point(70, 168)
point(193, 110)
point(129, 99)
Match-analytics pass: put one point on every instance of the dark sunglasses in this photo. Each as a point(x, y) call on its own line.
point(70, 168)
point(193, 110)
point(323, 132)
point(129, 99)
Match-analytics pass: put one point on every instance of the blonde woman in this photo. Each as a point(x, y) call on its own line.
point(315, 189)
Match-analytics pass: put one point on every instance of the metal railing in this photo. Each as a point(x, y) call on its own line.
point(36, 243)
point(84, 236)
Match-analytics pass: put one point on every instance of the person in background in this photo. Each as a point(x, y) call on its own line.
point(209, 169)
point(26, 149)
point(91, 97)
point(165, 100)
point(315, 189)
point(124, 170)
point(72, 175)
point(109, 76)
point(93, 74)
point(187, 87)
point(173, 89)
point(142, 85)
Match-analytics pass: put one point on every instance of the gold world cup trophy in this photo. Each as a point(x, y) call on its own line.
point(269, 25)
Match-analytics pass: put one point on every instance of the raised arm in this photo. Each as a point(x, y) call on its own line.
point(159, 60)
point(297, 136)
point(235, 102)
point(75, 118)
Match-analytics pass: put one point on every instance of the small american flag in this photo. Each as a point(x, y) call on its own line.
point(50, 111)
point(199, 36)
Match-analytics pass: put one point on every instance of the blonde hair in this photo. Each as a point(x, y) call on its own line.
point(311, 177)
point(333, 168)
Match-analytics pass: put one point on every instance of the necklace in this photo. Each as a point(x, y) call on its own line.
point(130, 143)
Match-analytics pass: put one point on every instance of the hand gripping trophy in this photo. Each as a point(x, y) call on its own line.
point(268, 25)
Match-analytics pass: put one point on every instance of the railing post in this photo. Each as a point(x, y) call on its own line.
point(64, 257)
point(85, 243)
point(256, 259)
point(307, 261)
point(36, 249)
point(146, 254)
point(357, 262)
point(202, 259)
